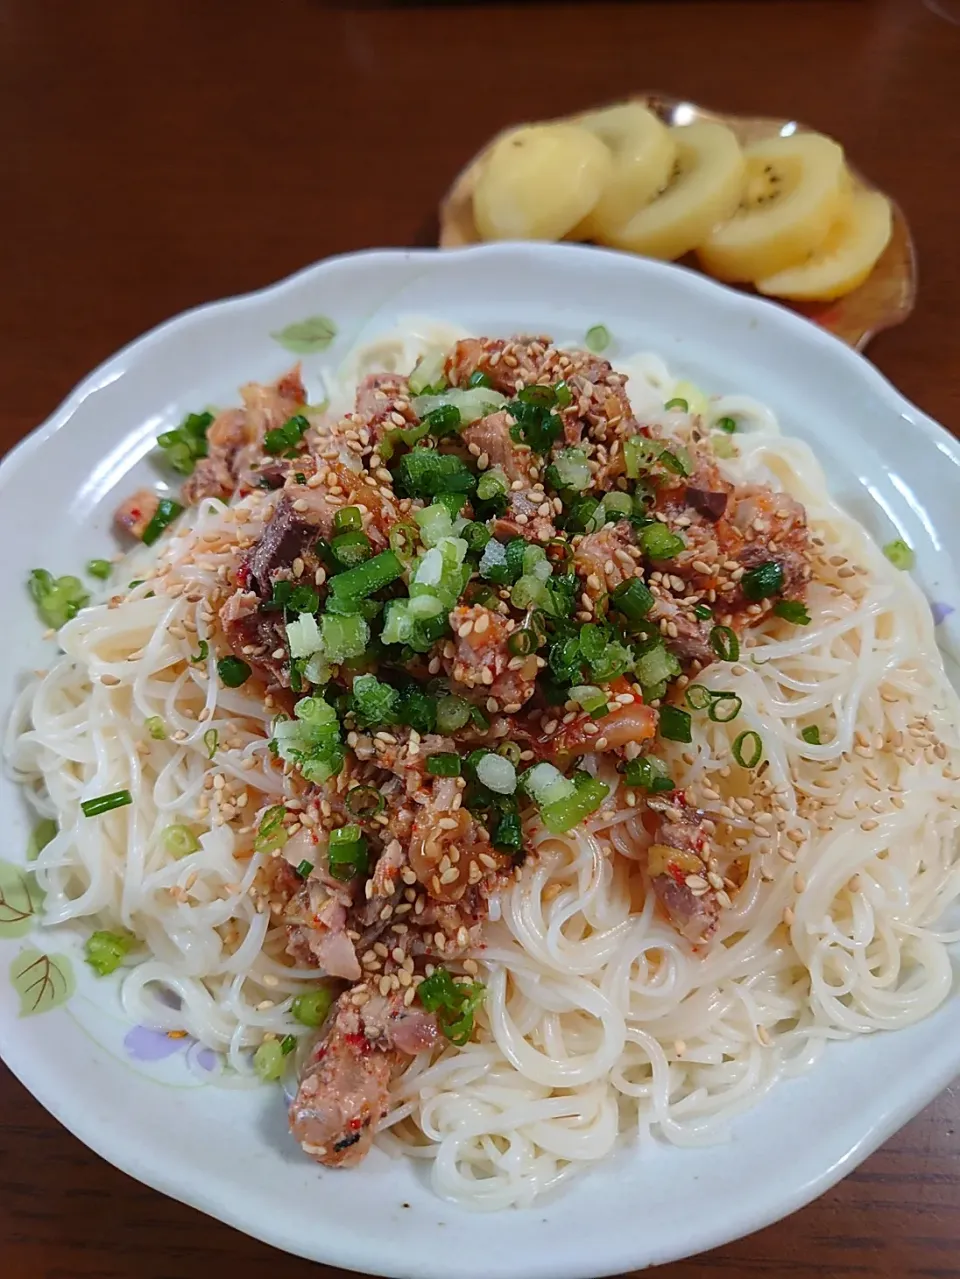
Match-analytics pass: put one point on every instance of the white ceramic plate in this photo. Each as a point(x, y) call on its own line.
point(228, 1153)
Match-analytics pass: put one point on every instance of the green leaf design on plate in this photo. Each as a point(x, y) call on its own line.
point(308, 336)
point(42, 981)
point(40, 837)
point(20, 900)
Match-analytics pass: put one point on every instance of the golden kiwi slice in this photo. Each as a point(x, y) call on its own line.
point(794, 190)
point(704, 189)
point(845, 258)
point(539, 181)
point(643, 152)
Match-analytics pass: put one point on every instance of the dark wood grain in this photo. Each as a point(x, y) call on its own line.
point(158, 155)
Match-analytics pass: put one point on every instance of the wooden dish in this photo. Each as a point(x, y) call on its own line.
point(884, 299)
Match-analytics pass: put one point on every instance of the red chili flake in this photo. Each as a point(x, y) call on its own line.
point(678, 875)
point(243, 575)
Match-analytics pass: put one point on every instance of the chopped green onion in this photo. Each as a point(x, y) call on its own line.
point(564, 395)
point(648, 772)
point(725, 644)
point(675, 724)
point(764, 580)
point(597, 338)
point(546, 784)
point(617, 505)
point(677, 460)
point(592, 699)
point(471, 403)
point(537, 426)
point(304, 599)
point(570, 470)
point(727, 424)
point(702, 612)
point(40, 837)
point(106, 803)
point(479, 719)
point(185, 444)
point(167, 511)
point(899, 554)
point(347, 852)
point(179, 841)
point(507, 835)
point(564, 814)
point(349, 519)
point(373, 702)
point(105, 951)
point(443, 420)
point(678, 403)
point(453, 1002)
point(211, 741)
point(721, 707)
point(581, 516)
point(233, 671)
point(270, 833)
point(403, 540)
point(492, 484)
point(510, 751)
point(156, 728)
point(724, 707)
point(343, 637)
point(358, 583)
point(445, 764)
point(350, 549)
point(99, 568)
point(202, 653)
point(655, 666)
point(698, 697)
point(428, 372)
point(476, 535)
point(633, 599)
point(304, 869)
point(638, 454)
point(424, 473)
point(497, 773)
point(285, 439)
point(364, 802)
point(479, 378)
point(287, 1044)
point(311, 1008)
point(811, 735)
point(748, 749)
point(268, 1061)
point(792, 611)
point(658, 543)
point(543, 396)
point(452, 713)
point(521, 642)
point(57, 599)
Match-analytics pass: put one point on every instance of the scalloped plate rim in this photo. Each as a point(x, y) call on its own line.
point(892, 1104)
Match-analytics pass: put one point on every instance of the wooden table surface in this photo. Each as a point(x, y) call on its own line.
point(158, 155)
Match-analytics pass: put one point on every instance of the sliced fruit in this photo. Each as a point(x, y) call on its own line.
point(703, 190)
point(538, 182)
point(845, 258)
point(794, 189)
point(643, 151)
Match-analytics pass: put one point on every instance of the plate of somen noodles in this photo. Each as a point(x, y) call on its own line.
point(480, 739)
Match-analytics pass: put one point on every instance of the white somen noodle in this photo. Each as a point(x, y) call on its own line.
point(601, 1022)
